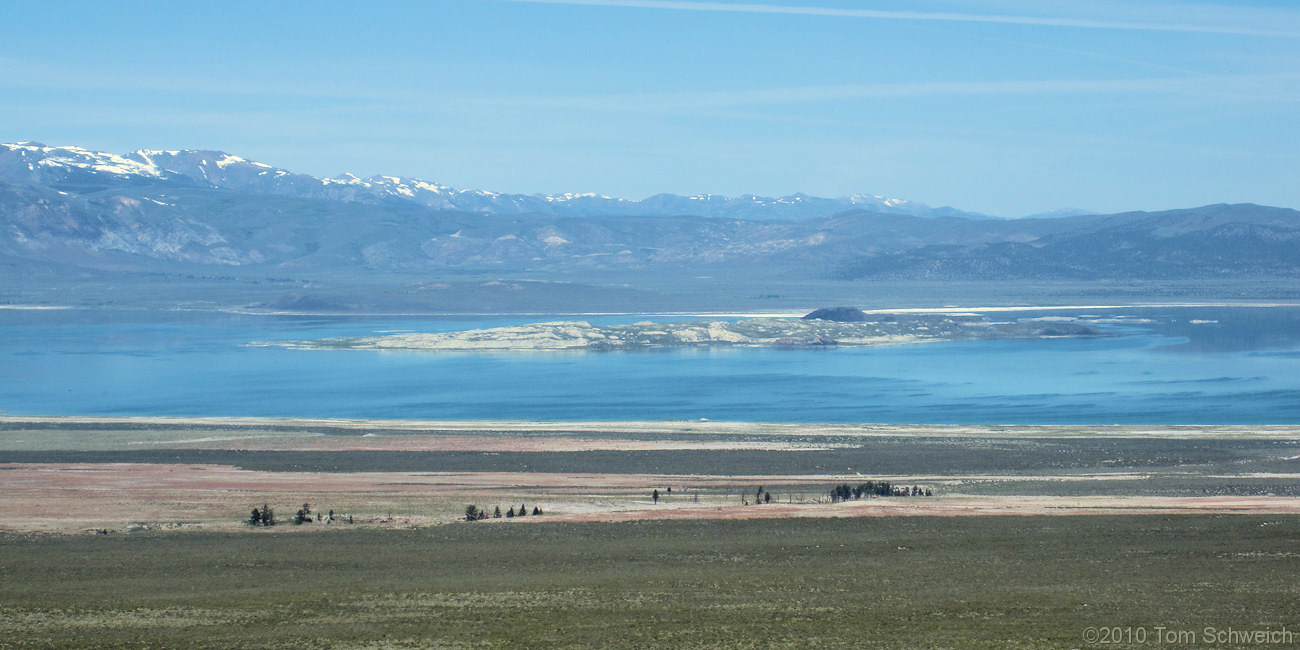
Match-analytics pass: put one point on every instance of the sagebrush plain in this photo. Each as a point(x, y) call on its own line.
point(134, 532)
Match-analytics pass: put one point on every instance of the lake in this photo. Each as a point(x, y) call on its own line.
point(1168, 365)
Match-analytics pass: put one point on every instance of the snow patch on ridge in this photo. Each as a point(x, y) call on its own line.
point(36, 162)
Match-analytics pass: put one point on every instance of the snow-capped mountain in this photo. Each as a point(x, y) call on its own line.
point(27, 163)
point(75, 169)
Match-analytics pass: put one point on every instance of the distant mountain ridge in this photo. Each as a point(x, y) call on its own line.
point(72, 213)
point(78, 168)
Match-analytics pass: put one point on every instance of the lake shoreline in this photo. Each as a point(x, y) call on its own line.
point(1170, 366)
point(703, 427)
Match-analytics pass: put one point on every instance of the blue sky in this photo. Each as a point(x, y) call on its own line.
point(1007, 107)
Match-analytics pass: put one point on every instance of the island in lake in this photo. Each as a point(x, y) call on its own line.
point(809, 331)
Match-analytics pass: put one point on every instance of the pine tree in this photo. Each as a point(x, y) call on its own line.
point(255, 519)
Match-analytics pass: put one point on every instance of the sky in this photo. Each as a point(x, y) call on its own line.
point(1006, 107)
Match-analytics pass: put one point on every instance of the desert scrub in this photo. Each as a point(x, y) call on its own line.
point(967, 582)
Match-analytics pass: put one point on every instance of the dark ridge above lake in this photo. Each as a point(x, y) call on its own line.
point(838, 315)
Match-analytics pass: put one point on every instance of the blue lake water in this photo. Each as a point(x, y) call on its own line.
point(1166, 365)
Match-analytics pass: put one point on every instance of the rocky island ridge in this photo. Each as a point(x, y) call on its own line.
point(753, 332)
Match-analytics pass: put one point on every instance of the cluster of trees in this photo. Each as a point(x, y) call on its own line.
point(474, 513)
point(846, 492)
point(263, 517)
point(266, 516)
point(304, 516)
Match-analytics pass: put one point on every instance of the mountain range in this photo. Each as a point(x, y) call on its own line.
point(68, 213)
point(77, 169)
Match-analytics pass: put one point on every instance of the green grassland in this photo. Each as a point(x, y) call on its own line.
point(913, 582)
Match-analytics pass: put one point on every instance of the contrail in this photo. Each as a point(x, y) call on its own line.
point(682, 5)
